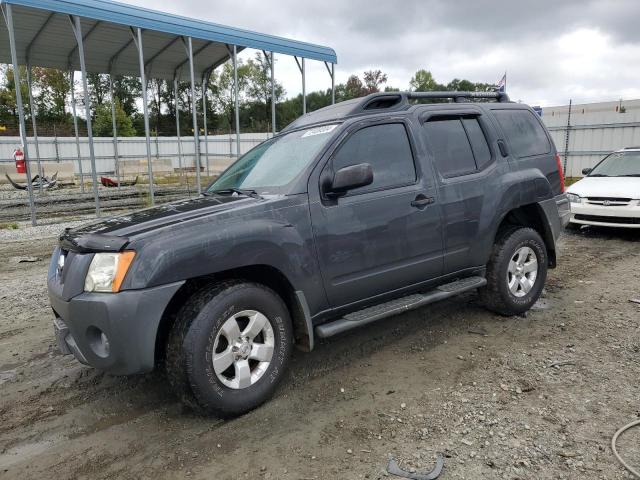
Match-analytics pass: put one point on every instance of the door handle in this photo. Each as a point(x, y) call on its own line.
point(422, 201)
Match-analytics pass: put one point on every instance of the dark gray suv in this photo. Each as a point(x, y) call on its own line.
point(352, 214)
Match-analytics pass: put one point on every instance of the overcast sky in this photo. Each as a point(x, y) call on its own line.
point(551, 50)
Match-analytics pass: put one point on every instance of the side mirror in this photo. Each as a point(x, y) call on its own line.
point(348, 178)
point(586, 171)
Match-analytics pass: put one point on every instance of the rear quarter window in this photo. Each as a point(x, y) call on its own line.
point(524, 132)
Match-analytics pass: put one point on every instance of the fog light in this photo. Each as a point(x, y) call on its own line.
point(98, 341)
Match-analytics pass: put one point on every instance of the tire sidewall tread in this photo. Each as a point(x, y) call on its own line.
point(193, 336)
point(496, 295)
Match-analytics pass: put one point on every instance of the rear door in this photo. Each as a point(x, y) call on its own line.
point(461, 144)
point(384, 236)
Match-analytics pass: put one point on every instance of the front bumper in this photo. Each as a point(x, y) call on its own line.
point(115, 332)
point(626, 216)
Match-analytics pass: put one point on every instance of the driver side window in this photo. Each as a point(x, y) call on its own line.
point(386, 148)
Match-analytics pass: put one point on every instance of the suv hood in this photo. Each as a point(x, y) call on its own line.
point(615, 187)
point(112, 234)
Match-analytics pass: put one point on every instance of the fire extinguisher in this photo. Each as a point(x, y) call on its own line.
point(18, 155)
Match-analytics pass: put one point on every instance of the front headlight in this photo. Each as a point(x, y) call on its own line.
point(107, 271)
point(573, 198)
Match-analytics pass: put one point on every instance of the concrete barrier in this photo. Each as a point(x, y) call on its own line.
point(64, 169)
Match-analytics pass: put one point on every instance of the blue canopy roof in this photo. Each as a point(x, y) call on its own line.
point(44, 38)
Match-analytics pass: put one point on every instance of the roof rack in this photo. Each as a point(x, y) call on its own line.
point(388, 102)
point(460, 96)
point(400, 100)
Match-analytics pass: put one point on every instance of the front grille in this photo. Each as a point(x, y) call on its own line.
point(603, 219)
point(609, 201)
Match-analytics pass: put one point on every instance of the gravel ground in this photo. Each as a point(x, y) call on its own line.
point(532, 397)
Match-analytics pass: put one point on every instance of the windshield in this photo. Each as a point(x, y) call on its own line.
point(272, 165)
point(619, 164)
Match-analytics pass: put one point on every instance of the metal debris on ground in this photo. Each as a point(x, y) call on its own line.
point(635, 300)
point(394, 469)
point(35, 182)
point(559, 364)
point(108, 182)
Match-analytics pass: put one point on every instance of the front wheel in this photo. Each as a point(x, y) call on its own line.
point(516, 272)
point(229, 348)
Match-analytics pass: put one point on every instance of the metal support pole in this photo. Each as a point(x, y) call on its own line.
point(194, 113)
point(304, 90)
point(87, 108)
point(35, 128)
point(137, 37)
point(114, 128)
point(75, 129)
point(237, 99)
point(175, 94)
point(23, 132)
point(566, 138)
point(205, 82)
point(273, 94)
point(333, 84)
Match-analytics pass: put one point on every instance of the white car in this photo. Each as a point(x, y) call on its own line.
point(609, 194)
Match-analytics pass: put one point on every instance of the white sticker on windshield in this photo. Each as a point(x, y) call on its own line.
point(319, 130)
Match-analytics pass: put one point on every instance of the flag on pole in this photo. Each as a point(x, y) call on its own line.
point(502, 83)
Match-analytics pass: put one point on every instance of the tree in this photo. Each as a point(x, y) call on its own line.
point(103, 125)
point(127, 90)
point(423, 81)
point(373, 80)
point(354, 88)
point(8, 105)
point(98, 84)
point(52, 89)
point(468, 86)
point(223, 99)
point(259, 87)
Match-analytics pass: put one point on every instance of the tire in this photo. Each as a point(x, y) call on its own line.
point(207, 331)
point(506, 290)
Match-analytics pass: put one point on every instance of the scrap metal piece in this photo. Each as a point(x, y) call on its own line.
point(394, 469)
point(35, 181)
point(108, 182)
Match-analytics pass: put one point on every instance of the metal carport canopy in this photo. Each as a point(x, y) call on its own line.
point(44, 38)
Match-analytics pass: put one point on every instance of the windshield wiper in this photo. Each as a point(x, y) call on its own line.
point(240, 191)
point(597, 175)
point(631, 175)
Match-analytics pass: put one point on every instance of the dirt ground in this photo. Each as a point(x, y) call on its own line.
point(532, 397)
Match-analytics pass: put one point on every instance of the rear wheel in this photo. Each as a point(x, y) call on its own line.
point(229, 348)
point(516, 272)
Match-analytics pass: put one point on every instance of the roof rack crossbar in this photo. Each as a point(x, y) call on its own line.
point(499, 96)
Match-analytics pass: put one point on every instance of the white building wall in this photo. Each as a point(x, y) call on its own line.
point(596, 130)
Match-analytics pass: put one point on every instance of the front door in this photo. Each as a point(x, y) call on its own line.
point(384, 236)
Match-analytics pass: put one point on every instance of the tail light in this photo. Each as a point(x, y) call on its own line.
point(560, 172)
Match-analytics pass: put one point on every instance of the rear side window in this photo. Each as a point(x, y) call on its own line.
point(386, 148)
point(524, 132)
point(450, 146)
point(478, 141)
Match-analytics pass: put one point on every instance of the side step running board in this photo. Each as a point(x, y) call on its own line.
point(395, 307)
